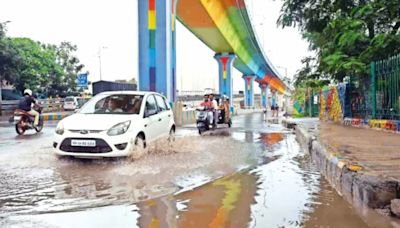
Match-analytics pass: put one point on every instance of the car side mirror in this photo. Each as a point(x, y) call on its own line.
point(146, 113)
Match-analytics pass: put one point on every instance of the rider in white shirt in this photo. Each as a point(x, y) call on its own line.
point(215, 109)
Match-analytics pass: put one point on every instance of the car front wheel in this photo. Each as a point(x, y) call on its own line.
point(171, 137)
point(140, 148)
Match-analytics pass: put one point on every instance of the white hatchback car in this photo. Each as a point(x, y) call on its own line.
point(115, 124)
point(71, 103)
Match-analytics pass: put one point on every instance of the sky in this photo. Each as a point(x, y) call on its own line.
point(109, 28)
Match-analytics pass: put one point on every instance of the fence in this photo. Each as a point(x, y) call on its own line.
point(385, 87)
point(311, 106)
point(377, 96)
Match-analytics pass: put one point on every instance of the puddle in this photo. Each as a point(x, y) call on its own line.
point(238, 179)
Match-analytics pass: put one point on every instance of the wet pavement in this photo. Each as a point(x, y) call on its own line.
point(253, 175)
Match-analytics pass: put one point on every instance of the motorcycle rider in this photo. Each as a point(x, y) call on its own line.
point(26, 104)
point(215, 110)
point(226, 108)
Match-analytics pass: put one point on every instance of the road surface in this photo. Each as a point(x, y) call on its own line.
point(253, 175)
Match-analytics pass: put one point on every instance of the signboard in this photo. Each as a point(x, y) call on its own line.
point(82, 80)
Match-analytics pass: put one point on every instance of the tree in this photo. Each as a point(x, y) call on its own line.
point(71, 66)
point(345, 34)
point(44, 68)
point(37, 68)
point(9, 59)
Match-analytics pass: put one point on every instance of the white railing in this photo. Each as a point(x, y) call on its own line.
point(49, 105)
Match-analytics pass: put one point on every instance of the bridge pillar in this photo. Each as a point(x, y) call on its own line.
point(157, 55)
point(225, 61)
point(264, 94)
point(249, 91)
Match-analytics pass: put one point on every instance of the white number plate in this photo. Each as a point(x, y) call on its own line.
point(85, 143)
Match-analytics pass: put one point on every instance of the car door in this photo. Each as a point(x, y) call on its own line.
point(164, 115)
point(151, 119)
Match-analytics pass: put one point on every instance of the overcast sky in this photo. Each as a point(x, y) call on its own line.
point(91, 24)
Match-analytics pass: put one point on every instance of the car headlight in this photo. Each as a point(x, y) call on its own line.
point(119, 129)
point(60, 128)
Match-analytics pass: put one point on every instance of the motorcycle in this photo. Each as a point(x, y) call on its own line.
point(202, 120)
point(23, 121)
point(203, 123)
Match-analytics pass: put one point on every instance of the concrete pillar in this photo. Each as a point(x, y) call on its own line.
point(225, 61)
point(157, 44)
point(249, 91)
point(264, 94)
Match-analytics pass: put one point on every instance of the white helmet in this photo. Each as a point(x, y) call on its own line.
point(28, 91)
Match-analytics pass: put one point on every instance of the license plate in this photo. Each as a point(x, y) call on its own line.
point(83, 143)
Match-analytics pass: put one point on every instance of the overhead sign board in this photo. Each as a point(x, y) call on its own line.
point(82, 80)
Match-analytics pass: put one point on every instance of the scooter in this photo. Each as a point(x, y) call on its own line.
point(202, 120)
point(23, 121)
point(203, 123)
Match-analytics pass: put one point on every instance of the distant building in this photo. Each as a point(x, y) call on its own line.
point(103, 86)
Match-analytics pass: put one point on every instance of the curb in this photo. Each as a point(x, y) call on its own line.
point(54, 117)
point(356, 187)
point(288, 123)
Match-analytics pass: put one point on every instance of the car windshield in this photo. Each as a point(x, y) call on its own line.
point(113, 104)
point(69, 99)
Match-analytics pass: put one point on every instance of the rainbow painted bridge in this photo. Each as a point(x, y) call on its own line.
point(223, 25)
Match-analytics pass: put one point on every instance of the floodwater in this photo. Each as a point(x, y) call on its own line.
point(250, 176)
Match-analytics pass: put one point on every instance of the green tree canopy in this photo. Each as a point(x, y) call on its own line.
point(346, 35)
point(44, 68)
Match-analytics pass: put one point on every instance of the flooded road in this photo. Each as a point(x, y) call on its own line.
point(253, 175)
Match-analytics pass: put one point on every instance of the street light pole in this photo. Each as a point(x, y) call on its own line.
point(100, 49)
point(285, 68)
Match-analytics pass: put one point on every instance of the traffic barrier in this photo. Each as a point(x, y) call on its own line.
point(188, 117)
point(49, 105)
point(183, 117)
point(49, 117)
point(52, 105)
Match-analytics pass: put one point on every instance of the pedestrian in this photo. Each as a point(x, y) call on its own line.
point(274, 105)
point(227, 112)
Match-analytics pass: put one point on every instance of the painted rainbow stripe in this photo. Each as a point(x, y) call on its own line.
point(173, 51)
point(225, 26)
point(248, 81)
point(274, 83)
point(224, 61)
point(152, 25)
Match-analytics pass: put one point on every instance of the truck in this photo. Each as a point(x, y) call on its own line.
point(103, 86)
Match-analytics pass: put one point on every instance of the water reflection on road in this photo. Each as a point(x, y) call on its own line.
point(236, 178)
